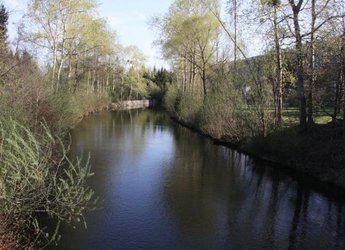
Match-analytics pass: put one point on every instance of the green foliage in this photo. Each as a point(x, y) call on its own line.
point(39, 106)
point(219, 117)
point(61, 110)
point(38, 179)
point(273, 3)
point(171, 98)
point(71, 108)
point(189, 107)
point(158, 82)
point(162, 78)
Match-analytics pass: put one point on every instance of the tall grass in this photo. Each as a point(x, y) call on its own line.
point(38, 179)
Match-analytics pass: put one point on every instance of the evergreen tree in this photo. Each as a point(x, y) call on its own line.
point(3, 45)
point(3, 23)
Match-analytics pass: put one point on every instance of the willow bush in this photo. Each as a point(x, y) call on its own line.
point(223, 114)
point(38, 180)
point(189, 107)
point(218, 116)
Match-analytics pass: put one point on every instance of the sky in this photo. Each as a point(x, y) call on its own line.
point(129, 18)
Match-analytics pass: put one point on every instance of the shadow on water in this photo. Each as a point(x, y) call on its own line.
point(165, 187)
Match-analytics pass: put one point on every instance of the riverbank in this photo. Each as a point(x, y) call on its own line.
point(42, 183)
point(44, 144)
point(318, 153)
point(121, 105)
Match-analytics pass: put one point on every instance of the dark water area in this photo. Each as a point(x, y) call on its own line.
point(165, 187)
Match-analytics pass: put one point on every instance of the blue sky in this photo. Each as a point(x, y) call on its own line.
point(129, 18)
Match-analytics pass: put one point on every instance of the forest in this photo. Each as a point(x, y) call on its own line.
point(265, 75)
point(286, 104)
point(302, 66)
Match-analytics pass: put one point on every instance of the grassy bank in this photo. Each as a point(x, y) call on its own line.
point(39, 183)
point(318, 152)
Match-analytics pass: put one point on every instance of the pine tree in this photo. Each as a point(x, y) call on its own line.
point(3, 23)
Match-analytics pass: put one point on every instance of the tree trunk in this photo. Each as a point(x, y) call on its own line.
point(337, 98)
point(89, 81)
point(130, 92)
point(279, 69)
point(312, 77)
point(204, 79)
point(184, 82)
point(76, 80)
point(299, 68)
point(343, 66)
point(59, 72)
point(235, 34)
point(54, 84)
point(113, 84)
point(194, 71)
point(190, 74)
point(70, 71)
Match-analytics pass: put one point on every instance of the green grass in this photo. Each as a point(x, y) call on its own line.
point(291, 117)
point(322, 119)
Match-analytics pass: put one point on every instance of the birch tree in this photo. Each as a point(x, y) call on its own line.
point(273, 9)
point(50, 29)
point(189, 39)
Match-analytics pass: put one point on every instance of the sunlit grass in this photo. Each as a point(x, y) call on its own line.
point(291, 117)
point(322, 119)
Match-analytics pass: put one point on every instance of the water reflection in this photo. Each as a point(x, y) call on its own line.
point(165, 187)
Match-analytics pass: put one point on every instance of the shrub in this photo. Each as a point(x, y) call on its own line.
point(219, 115)
point(189, 107)
point(171, 98)
point(71, 107)
point(38, 179)
point(31, 103)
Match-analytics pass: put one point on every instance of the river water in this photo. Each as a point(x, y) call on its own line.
point(165, 187)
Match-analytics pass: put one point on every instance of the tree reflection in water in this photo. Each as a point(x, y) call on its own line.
point(165, 187)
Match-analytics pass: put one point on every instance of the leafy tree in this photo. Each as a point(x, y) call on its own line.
point(273, 6)
point(56, 28)
point(189, 39)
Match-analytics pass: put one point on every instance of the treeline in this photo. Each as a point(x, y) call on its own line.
point(64, 63)
point(74, 50)
point(231, 95)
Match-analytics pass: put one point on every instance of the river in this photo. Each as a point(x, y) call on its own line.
point(163, 186)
